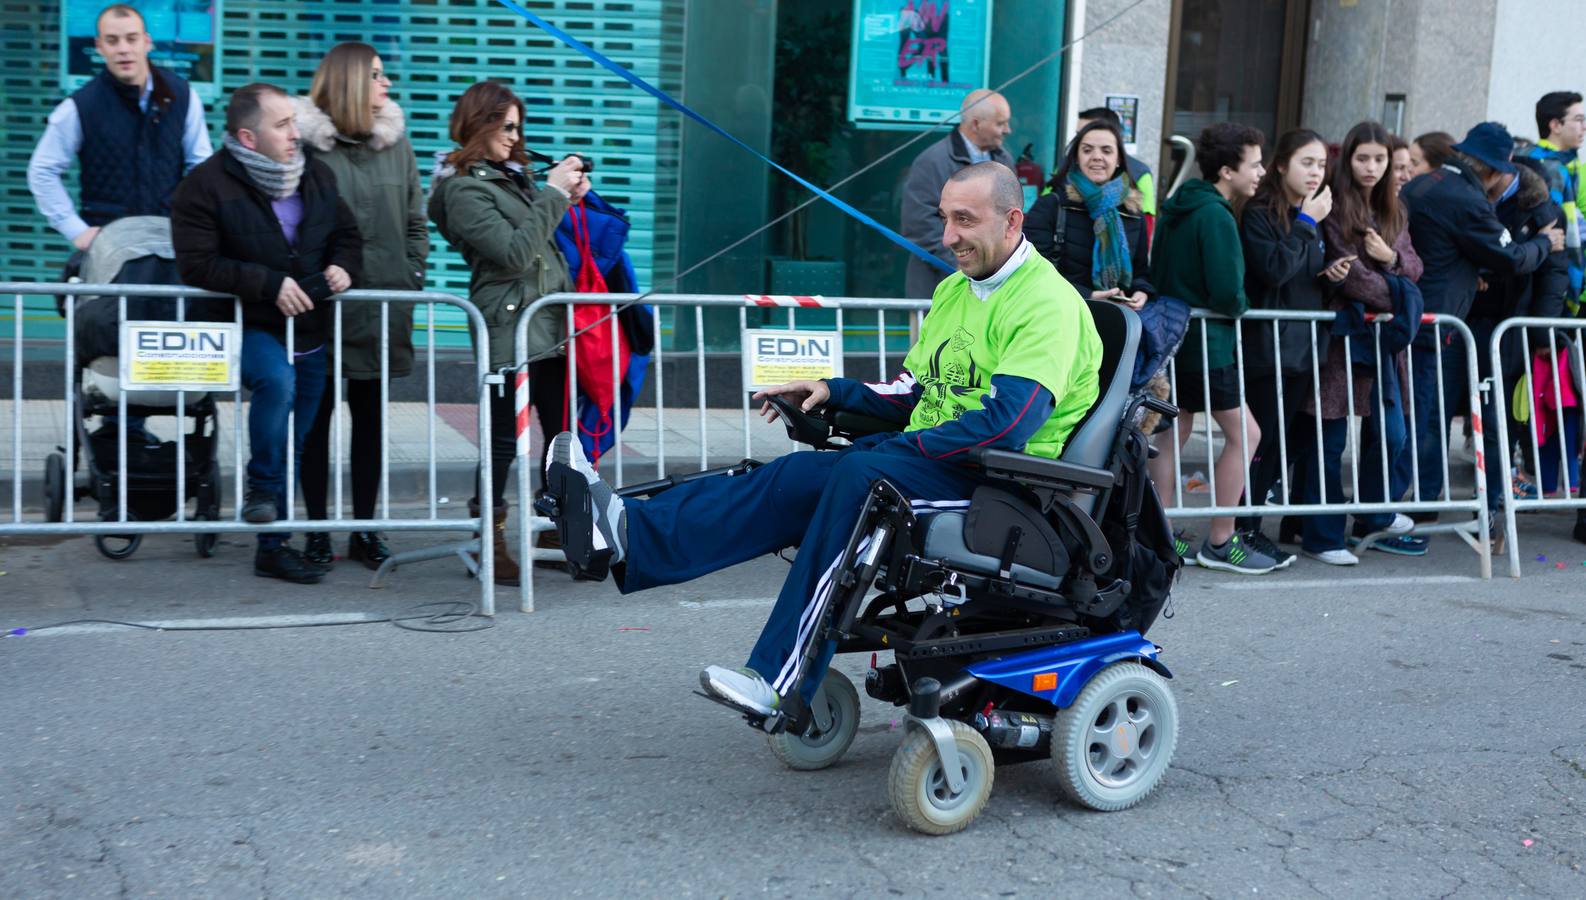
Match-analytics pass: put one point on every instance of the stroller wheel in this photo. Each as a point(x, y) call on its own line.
point(1113, 745)
point(818, 748)
point(118, 546)
point(205, 543)
point(918, 787)
point(55, 487)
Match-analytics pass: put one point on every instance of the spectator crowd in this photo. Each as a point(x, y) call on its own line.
point(1480, 229)
point(309, 196)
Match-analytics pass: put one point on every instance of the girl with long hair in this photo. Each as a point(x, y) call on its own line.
point(1285, 269)
point(1368, 226)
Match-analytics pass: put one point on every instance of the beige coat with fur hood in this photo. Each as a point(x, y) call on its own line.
point(377, 177)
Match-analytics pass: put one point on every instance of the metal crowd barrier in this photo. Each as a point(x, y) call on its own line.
point(530, 524)
point(1474, 531)
point(124, 528)
point(1573, 341)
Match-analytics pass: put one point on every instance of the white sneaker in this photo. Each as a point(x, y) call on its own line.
point(1339, 557)
point(743, 688)
point(1402, 524)
point(566, 449)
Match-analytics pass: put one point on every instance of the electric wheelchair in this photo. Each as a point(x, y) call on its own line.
point(1016, 626)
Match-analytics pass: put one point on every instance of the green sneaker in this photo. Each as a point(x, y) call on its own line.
point(1235, 556)
point(1184, 546)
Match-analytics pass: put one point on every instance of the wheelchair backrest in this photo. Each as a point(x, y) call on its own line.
point(1092, 440)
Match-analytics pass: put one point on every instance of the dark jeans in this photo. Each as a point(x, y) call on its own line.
point(1325, 532)
point(1386, 398)
point(280, 389)
point(548, 396)
point(1429, 425)
point(362, 441)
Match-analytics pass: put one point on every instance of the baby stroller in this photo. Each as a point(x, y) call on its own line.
point(135, 250)
point(1016, 626)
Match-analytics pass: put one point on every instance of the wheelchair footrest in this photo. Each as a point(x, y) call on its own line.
point(769, 724)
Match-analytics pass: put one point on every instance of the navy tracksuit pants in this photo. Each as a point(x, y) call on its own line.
point(808, 500)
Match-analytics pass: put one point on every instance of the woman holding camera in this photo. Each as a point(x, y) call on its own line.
point(350, 123)
point(490, 209)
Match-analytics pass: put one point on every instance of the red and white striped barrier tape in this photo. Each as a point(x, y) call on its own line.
point(788, 300)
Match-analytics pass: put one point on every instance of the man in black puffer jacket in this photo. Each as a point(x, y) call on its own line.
point(260, 221)
point(1458, 235)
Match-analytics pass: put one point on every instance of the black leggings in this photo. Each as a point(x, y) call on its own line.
point(363, 401)
point(1261, 395)
point(548, 396)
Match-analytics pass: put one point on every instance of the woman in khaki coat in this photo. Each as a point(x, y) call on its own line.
point(350, 123)
point(487, 205)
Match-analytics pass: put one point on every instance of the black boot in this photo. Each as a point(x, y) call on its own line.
point(1580, 529)
point(369, 548)
point(286, 564)
point(317, 549)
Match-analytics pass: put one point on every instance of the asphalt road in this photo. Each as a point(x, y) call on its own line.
point(1398, 729)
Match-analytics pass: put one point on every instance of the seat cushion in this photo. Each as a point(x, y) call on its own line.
point(944, 539)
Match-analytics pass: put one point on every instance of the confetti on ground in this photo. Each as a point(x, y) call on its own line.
point(633, 629)
point(1559, 566)
point(1541, 558)
point(1528, 842)
point(1227, 683)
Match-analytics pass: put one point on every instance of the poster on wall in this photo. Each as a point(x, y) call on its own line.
point(186, 37)
point(912, 61)
point(1127, 106)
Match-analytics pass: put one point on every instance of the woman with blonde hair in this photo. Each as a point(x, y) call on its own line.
point(349, 122)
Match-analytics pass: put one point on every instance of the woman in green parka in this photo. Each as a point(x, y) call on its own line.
point(488, 206)
point(350, 123)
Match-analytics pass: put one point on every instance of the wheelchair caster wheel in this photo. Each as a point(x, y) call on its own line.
point(1113, 745)
point(917, 785)
point(834, 723)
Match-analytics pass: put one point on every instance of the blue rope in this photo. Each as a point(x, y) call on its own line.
point(662, 96)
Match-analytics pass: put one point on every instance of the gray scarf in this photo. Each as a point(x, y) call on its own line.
point(276, 179)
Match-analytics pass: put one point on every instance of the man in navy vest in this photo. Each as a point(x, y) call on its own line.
point(135, 130)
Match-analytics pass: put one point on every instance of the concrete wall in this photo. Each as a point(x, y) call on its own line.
point(1536, 49)
point(1435, 52)
point(1128, 56)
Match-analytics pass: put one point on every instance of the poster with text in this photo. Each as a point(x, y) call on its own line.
point(912, 61)
point(186, 37)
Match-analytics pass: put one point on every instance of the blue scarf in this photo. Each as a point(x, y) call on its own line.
point(1110, 266)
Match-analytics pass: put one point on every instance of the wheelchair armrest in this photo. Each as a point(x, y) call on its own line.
point(1024, 468)
point(854, 425)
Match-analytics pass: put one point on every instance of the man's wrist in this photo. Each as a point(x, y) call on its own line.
point(73, 227)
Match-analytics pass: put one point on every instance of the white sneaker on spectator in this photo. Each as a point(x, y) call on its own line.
point(1402, 524)
point(1339, 557)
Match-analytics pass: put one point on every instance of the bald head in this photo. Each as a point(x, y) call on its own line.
point(982, 217)
point(983, 119)
point(996, 182)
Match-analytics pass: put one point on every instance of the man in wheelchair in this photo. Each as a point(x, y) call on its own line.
point(1007, 360)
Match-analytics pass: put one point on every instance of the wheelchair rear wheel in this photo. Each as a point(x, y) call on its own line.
point(818, 748)
point(918, 787)
point(1114, 744)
